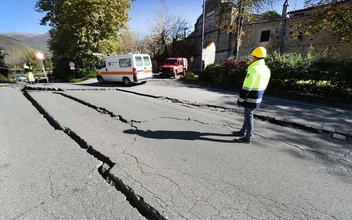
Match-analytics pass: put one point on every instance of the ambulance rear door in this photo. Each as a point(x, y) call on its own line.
point(142, 68)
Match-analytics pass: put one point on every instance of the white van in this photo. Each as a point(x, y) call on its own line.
point(185, 64)
point(127, 68)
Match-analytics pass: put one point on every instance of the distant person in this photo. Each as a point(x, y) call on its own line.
point(28, 70)
point(251, 94)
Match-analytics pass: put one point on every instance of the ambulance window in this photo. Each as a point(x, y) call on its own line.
point(125, 62)
point(101, 64)
point(139, 61)
point(146, 61)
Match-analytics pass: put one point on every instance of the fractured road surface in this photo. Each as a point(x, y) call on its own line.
point(175, 160)
point(44, 174)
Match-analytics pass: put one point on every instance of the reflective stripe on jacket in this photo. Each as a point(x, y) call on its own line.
point(257, 79)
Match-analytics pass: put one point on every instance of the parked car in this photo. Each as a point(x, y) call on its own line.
point(21, 79)
point(174, 66)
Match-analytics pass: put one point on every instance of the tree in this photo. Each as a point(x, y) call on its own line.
point(132, 41)
point(17, 57)
point(166, 29)
point(233, 13)
point(3, 65)
point(155, 49)
point(270, 15)
point(160, 27)
point(82, 27)
point(332, 14)
point(177, 30)
point(127, 41)
point(139, 40)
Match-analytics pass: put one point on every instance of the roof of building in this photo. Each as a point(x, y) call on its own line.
point(300, 10)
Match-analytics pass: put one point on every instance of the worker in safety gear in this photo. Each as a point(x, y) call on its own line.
point(28, 70)
point(251, 94)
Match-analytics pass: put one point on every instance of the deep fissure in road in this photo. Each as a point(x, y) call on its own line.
point(262, 118)
point(333, 134)
point(135, 200)
point(272, 120)
point(104, 170)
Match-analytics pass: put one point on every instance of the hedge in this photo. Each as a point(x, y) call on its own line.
point(321, 77)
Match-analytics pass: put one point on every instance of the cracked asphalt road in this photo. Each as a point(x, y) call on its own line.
point(144, 155)
point(44, 174)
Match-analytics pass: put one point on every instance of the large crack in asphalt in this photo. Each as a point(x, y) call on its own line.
point(272, 120)
point(135, 200)
point(333, 133)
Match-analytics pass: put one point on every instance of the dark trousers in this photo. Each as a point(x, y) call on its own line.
point(247, 127)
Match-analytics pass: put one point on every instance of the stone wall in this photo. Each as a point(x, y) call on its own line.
point(282, 40)
point(212, 34)
point(279, 38)
point(252, 36)
point(322, 42)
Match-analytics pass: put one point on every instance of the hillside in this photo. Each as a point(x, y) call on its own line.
point(15, 40)
point(9, 44)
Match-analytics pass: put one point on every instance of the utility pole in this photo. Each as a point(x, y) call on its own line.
point(201, 59)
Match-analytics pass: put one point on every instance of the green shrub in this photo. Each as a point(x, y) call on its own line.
point(189, 77)
point(287, 70)
point(322, 77)
point(211, 73)
point(232, 72)
point(83, 74)
point(3, 79)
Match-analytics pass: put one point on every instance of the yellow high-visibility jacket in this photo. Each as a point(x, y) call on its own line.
point(28, 70)
point(254, 85)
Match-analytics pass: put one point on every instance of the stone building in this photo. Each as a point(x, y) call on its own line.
point(273, 34)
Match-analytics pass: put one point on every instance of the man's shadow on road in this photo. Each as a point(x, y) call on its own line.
point(180, 135)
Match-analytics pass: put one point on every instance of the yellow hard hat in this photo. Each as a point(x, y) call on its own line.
point(259, 52)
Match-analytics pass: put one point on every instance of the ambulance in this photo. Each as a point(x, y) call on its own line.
point(127, 68)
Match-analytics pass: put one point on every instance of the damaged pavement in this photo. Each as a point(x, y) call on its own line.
point(116, 153)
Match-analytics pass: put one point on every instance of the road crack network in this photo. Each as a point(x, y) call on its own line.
point(333, 133)
point(136, 200)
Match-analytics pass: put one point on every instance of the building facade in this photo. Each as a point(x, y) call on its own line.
point(274, 34)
